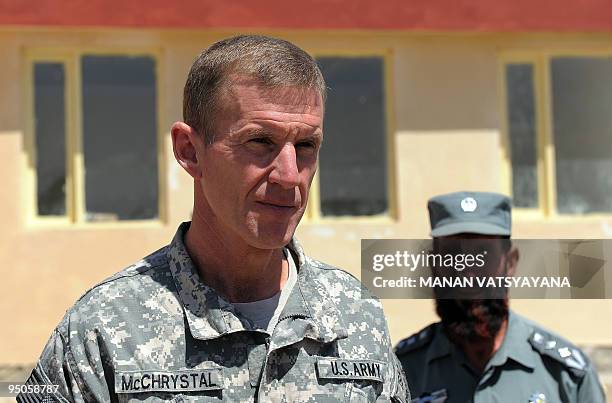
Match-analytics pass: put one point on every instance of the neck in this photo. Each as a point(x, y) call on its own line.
point(236, 270)
point(479, 351)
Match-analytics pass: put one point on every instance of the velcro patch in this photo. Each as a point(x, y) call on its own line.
point(169, 381)
point(341, 368)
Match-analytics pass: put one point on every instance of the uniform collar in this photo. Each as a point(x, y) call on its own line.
point(440, 345)
point(307, 312)
point(310, 311)
point(515, 345)
point(208, 314)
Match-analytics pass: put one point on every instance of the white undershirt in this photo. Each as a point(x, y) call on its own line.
point(265, 313)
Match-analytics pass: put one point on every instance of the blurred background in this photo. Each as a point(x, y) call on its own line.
point(425, 97)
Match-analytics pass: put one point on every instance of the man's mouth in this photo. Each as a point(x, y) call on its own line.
point(283, 206)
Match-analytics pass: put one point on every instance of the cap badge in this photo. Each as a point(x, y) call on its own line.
point(468, 204)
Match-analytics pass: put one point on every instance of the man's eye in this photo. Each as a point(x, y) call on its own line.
point(306, 144)
point(261, 140)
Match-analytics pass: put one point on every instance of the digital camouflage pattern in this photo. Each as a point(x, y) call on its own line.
point(155, 332)
point(532, 365)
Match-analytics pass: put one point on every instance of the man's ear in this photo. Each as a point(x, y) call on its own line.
point(512, 257)
point(184, 145)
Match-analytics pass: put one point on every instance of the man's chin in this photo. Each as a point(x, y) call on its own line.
point(270, 244)
point(271, 237)
point(266, 231)
point(472, 319)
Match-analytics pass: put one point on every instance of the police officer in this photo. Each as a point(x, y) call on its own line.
point(232, 309)
point(481, 351)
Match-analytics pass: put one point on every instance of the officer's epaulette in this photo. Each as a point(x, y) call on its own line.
point(559, 350)
point(415, 341)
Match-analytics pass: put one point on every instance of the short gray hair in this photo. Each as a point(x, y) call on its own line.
point(272, 62)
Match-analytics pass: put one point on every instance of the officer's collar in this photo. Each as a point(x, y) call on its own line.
point(515, 345)
point(440, 345)
point(210, 316)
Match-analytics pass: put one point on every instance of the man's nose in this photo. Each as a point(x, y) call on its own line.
point(285, 170)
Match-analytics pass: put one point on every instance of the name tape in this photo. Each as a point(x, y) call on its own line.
point(339, 368)
point(169, 381)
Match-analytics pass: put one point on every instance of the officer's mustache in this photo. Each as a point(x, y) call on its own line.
point(472, 319)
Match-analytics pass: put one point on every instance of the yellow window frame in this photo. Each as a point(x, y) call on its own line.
point(313, 211)
point(75, 216)
point(545, 146)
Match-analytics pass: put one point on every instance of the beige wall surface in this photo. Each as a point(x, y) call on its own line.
point(446, 135)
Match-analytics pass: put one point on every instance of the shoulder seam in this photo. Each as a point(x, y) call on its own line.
point(415, 341)
point(113, 278)
point(117, 277)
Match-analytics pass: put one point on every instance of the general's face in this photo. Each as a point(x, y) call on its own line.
point(257, 172)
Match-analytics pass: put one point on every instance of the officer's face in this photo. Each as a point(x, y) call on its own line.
point(496, 251)
point(478, 312)
point(257, 173)
point(494, 257)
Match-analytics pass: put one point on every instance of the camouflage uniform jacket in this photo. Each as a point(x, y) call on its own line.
point(155, 332)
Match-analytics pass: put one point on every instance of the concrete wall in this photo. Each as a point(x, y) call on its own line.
point(446, 136)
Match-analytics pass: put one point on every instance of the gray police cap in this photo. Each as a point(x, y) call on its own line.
point(470, 212)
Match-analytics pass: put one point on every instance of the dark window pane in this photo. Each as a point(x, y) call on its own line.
point(582, 122)
point(522, 133)
point(120, 137)
point(353, 160)
point(50, 133)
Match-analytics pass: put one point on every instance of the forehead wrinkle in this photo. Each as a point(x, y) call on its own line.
point(247, 106)
point(276, 118)
point(312, 121)
point(285, 109)
point(293, 128)
point(245, 103)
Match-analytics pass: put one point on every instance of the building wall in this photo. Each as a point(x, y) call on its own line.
point(446, 131)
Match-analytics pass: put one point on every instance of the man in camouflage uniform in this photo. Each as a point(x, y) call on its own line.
point(481, 351)
point(232, 310)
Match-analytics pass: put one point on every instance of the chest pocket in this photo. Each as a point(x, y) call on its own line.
point(195, 385)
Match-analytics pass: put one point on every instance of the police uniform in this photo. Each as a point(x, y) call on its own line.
point(155, 332)
point(531, 365)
